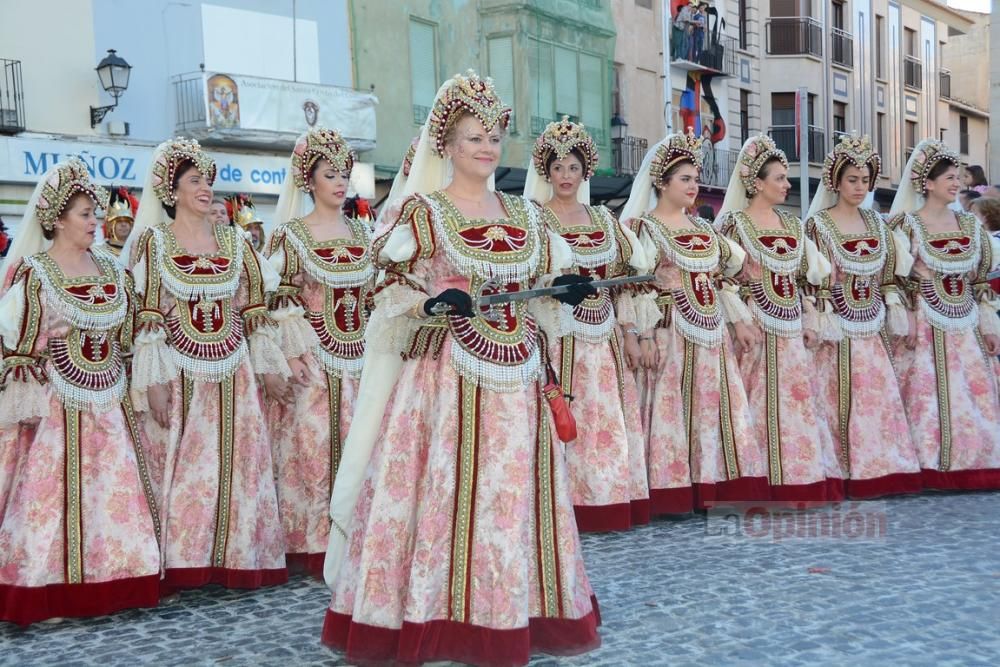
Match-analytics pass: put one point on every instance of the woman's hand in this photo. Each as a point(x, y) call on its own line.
point(992, 344)
point(300, 372)
point(911, 336)
point(747, 336)
point(278, 389)
point(650, 355)
point(633, 354)
point(452, 301)
point(810, 338)
point(579, 289)
point(159, 404)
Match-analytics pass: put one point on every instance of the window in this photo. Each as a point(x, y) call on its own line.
point(909, 137)
point(743, 19)
point(744, 116)
point(645, 4)
point(880, 47)
point(616, 91)
point(910, 42)
point(839, 120)
point(963, 135)
point(540, 71)
point(567, 86)
point(880, 133)
point(423, 69)
point(783, 109)
point(592, 113)
point(501, 55)
point(837, 15)
point(790, 8)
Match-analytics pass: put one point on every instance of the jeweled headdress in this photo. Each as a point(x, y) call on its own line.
point(851, 150)
point(69, 178)
point(466, 93)
point(317, 144)
point(755, 153)
point(677, 148)
point(242, 211)
point(560, 138)
point(411, 152)
point(166, 163)
point(927, 154)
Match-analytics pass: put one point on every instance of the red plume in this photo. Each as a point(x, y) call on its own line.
point(231, 208)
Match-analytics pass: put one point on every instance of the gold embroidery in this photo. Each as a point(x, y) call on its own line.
point(140, 458)
point(333, 385)
point(548, 573)
point(773, 420)
point(227, 411)
point(465, 487)
point(74, 496)
point(844, 401)
point(726, 420)
point(944, 403)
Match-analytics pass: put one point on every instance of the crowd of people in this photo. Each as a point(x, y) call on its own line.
point(378, 403)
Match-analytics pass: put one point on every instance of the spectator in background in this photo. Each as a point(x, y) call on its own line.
point(987, 209)
point(992, 192)
point(706, 212)
point(974, 178)
point(966, 197)
point(680, 39)
point(218, 213)
point(697, 31)
point(4, 239)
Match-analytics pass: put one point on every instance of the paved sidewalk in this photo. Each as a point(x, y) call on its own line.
point(924, 590)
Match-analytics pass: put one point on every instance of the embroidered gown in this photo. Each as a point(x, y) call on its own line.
point(206, 331)
point(701, 447)
point(778, 375)
point(858, 391)
point(463, 545)
point(79, 527)
point(322, 306)
point(948, 383)
point(606, 462)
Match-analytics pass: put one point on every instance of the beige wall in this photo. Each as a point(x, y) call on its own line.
point(637, 50)
point(968, 58)
point(57, 62)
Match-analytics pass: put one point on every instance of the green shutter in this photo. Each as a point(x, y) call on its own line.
point(567, 84)
point(501, 54)
point(423, 69)
point(592, 96)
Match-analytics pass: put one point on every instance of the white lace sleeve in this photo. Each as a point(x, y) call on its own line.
point(152, 361)
point(265, 355)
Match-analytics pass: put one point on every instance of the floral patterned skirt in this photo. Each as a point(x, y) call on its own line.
point(463, 544)
point(78, 524)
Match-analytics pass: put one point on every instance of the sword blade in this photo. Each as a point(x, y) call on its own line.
point(525, 295)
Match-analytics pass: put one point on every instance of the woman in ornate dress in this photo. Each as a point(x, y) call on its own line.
point(453, 533)
point(776, 366)
point(858, 308)
point(326, 282)
point(947, 366)
point(79, 528)
point(204, 335)
point(700, 441)
point(606, 461)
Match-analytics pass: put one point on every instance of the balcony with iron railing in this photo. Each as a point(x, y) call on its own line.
point(794, 36)
point(913, 72)
point(944, 83)
point(627, 154)
point(784, 137)
point(718, 55)
point(11, 97)
point(841, 48)
point(717, 166)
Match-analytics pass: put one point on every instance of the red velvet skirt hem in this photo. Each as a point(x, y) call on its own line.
point(640, 511)
point(982, 479)
point(461, 642)
point(25, 605)
point(196, 577)
point(677, 500)
point(603, 518)
point(828, 490)
point(311, 564)
point(739, 490)
point(888, 485)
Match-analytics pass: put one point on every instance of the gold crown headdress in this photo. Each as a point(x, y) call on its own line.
point(927, 154)
point(465, 93)
point(676, 148)
point(122, 204)
point(560, 138)
point(65, 180)
point(317, 144)
point(854, 150)
point(241, 211)
point(754, 155)
point(166, 163)
point(411, 153)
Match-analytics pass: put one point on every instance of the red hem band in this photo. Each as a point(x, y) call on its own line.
point(25, 605)
point(196, 577)
point(311, 564)
point(828, 490)
point(739, 490)
point(640, 511)
point(603, 518)
point(461, 642)
point(678, 500)
point(961, 480)
point(895, 484)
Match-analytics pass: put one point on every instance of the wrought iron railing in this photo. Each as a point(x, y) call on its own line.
point(794, 35)
point(784, 137)
point(11, 97)
point(627, 154)
point(189, 97)
point(841, 47)
point(717, 166)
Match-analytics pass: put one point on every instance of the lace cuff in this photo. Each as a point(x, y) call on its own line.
point(391, 325)
point(552, 317)
point(989, 321)
point(152, 362)
point(904, 259)
point(733, 308)
point(810, 317)
point(829, 324)
point(265, 355)
point(295, 336)
point(897, 320)
point(638, 311)
point(737, 256)
point(25, 399)
point(817, 266)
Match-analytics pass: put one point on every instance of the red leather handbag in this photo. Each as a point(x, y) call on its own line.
point(562, 416)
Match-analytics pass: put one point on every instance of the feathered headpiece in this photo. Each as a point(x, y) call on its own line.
point(167, 161)
point(675, 148)
point(316, 144)
point(559, 139)
point(241, 211)
point(755, 153)
point(851, 150)
point(469, 93)
point(67, 179)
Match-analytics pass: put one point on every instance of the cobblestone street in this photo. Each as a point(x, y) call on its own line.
point(924, 588)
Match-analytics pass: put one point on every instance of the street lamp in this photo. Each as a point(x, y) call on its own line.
point(113, 72)
point(619, 130)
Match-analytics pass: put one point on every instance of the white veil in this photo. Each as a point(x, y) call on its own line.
point(642, 196)
point(29, 239)
point(907, 199)
point(538, 189)
point(736, 198)
point(150, 213)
